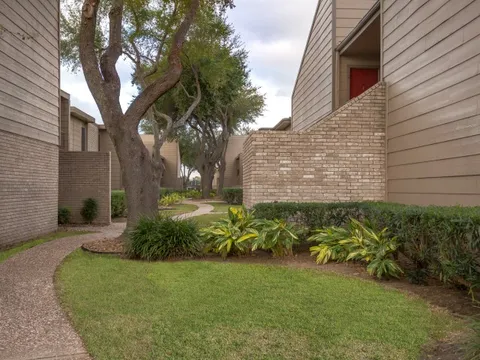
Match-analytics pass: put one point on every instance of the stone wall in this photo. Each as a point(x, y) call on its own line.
point(85, 175)
point(341, 158)
point(28, 188)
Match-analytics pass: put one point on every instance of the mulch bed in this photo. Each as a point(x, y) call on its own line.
point(105, 246)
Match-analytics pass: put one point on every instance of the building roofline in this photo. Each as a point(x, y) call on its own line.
point(369, 17)
point(82, 115)
point(64, 94)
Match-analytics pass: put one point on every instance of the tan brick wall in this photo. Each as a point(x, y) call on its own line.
point(85, 175)
point(341, 158)
point(106, 145)
point(28, 188)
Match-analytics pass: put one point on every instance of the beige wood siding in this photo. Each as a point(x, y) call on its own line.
point(348, 15)
point(233, 166)
point(92, 136)
point(312, 95)
point(29, 69)
point(431, 64)
point(75, 134)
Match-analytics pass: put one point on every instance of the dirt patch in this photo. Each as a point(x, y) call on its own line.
point(105, 246)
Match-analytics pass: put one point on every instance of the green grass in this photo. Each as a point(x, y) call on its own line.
point(222, 206)
point(206, 220)
point(210, 310)
point(179, 209)
point(5, 254)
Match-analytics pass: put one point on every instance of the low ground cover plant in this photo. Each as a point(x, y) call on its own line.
point(171, 199)
point(232, 234)
point(439, 241)
point(162, 238)
point(241, 233)
point(89, 210)
point(233, 196)
point(358, 242)
point(118, 203)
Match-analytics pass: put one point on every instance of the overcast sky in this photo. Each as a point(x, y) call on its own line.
point(274, 32)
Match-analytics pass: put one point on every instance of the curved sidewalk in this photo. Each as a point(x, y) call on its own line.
point(203, 209)
point(32, 323)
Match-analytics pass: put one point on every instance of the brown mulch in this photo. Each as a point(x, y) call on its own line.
point(455, 300)
point(105, 246)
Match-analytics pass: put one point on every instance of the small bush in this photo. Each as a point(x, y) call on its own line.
point(89, 211)
point(64, 215)
point(163, 238)
point(118, 203)
point(233, 196)
point(171, 199)
point(277, 236)
point(231, 235)
point(360, 243)
point(192, 194)
point(473, 344)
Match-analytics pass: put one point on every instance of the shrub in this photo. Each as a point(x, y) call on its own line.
point(275, 235)
point(473, 344)
point(443, 240)
point(361, 243)
point(232, 234)
point(89, 211)
point(64, 215)
point(192, 194)
point(118, 203)
point(234, 196)
point(163, 238)
point(171, 199)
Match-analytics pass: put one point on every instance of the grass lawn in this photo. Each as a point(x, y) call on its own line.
point(222, 207)
point(206, 220)
point(210, 310)
point(4, 255)
point(179, 209)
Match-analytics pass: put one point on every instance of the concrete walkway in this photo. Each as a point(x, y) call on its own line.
point(203, 209)
point(32, 323)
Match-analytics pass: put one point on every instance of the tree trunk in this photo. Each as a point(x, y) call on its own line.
point(207, 175)
point(221, 175)
point(139, 177)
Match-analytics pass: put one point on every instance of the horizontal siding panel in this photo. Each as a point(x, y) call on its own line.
point(450, 149)
point(402, 15)
point(456, 93)
point(413, 22)
point(34, 27)
point(436, 199)
point(465, 11)
point(24, 129)
point(459, 55)
point(392, 8)
point(451, 185)
point(348, 15)
point(446, 132)
point(312, 97)
point(46, 10)
point(443, 81)
point(20, 94)
point(454, 112)
point(463, 166)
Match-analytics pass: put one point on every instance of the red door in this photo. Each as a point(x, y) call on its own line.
point(361, 80)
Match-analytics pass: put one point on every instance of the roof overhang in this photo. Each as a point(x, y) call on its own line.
point(370, 17)
point(79, 114)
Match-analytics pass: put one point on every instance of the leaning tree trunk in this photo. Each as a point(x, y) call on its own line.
point(139, 177)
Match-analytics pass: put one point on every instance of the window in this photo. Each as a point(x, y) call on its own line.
point(84, 139)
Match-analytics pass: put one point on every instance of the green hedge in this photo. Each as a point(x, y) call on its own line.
point(233, 196)
point(445, 241)
point(118, 203)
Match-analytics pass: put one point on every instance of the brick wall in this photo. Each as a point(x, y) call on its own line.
point(341, 158)
point(85, 175)
point(92, 136)
point(28, 188)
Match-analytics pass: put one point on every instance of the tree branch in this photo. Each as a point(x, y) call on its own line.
point(170, 78)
